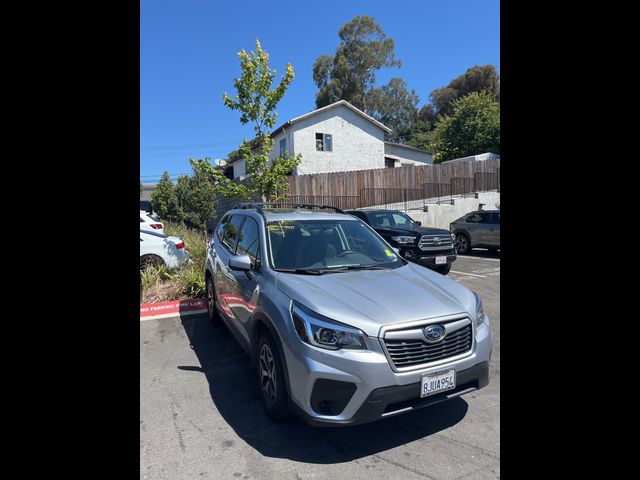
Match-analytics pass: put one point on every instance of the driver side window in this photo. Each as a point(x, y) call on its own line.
point(249, 243)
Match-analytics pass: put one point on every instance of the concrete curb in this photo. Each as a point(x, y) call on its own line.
point(178, 308)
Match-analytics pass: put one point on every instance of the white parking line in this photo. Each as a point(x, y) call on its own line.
point(479, 258)
point(472, 274)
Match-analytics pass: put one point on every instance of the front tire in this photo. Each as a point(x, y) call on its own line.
point(273, 392)
point(462, 243)
point(212, 313)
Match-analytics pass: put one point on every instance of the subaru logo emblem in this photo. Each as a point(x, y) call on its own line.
point(434, 333)
point(437, 240)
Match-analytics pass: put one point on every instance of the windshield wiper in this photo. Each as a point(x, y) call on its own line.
point(358, 267)
point(303, 271)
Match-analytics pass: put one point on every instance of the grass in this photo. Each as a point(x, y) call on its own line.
point(160, 284)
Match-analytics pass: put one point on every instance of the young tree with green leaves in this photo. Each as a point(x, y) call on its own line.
point(164, 200)
point(472, 128)
point(256, 101)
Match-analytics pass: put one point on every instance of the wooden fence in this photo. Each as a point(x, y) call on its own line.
point(344, 184)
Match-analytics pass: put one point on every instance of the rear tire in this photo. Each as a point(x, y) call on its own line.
point(271, 386)
point(212, 313)
point(443, 269)
point(150, 260)
point(462, 243)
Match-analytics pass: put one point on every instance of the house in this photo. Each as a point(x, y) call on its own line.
point(337, 138)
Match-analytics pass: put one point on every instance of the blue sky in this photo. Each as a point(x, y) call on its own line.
point(188, 58)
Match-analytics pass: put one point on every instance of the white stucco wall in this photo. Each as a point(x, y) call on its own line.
point(407, 156)
point(288, 134)
point(358, 144)
point(239, 169)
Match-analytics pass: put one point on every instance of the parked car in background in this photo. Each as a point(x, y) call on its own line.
point(146, 205)
point(160, 249)
point(150, 222)
point(479, 229)
point(340, 328)
point(429, 247)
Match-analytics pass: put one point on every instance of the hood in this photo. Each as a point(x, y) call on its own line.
point(370, 299)
point(411, 230)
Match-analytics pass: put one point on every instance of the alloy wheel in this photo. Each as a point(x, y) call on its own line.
point(210, 300)
point(268, 381)
point(461, 244)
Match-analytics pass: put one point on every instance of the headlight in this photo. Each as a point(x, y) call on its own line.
point(479, 311)
point(323, 332)
point(453, 237)
point(404, 239)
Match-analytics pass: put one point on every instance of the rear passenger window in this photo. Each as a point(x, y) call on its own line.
point(232, 232)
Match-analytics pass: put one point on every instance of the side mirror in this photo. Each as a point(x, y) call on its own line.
point(240, 262)
point(419, 223)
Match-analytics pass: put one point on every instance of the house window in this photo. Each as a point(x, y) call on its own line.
point(324, 142)
point(389, 163)
point(283, 147)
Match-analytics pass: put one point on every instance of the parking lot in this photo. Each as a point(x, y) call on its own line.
point(201, 418)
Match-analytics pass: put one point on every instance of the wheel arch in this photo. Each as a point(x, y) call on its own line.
point(259, 324)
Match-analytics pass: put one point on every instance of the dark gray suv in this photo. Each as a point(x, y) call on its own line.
point(479, 229)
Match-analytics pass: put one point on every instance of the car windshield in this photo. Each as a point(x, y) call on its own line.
point(324, 246)
point(390, 219)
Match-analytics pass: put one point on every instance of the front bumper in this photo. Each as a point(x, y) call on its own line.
point(428, 259)
point(390, 401)
point(365, 388)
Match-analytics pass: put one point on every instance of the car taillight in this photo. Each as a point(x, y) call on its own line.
point(180, 245)
point(157, 226)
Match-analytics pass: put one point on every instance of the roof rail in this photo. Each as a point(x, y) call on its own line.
point(260, 206)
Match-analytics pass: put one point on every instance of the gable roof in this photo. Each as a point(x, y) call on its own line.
point(408, 147)
point(333, 105)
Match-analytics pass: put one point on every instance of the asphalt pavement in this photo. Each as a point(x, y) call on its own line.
point(201, 418)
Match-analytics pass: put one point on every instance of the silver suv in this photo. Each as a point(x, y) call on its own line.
point(341, 329)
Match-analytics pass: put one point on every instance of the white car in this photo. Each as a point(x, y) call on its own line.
point(150, 222)
point(160, 249)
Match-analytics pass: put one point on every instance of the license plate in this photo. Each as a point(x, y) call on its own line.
point(441, 260)
point(436, 382)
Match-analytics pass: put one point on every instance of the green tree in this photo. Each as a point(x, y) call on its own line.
point(395, 106)
point(196, 196)
point(165, 201)
point(349, 74)
point(472, 128)
point(256, 101)
point(475, 79)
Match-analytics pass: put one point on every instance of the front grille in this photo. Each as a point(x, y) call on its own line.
point(432, 242)
point(411, 352)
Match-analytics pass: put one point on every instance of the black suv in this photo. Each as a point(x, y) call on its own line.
point(429, 247)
